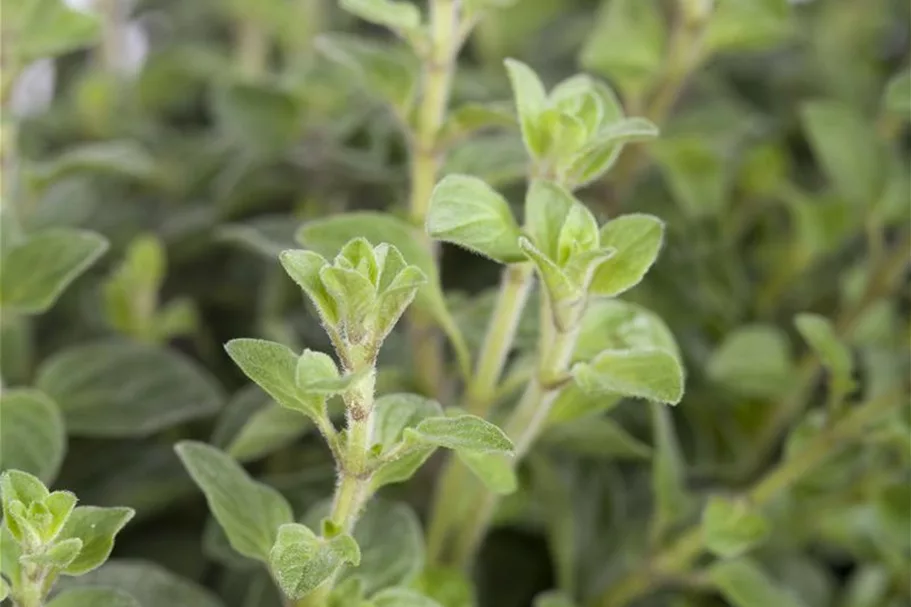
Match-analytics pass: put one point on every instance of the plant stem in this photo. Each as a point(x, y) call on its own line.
point(426, 159)
point(252, 48)
point(681, 554)
point(524, 424)
point(515, 286)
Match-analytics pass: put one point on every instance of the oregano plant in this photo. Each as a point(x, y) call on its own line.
point(455, 303)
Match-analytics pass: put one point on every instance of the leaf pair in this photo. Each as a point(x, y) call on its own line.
point(51, 532)
point(409, 428)
point(576, 132)
point(361, 294)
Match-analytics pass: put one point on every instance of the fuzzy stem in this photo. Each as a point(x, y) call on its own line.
point(681, 554)
point(426, 158)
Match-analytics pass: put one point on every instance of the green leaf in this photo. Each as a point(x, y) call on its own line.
point(547, 206)
point(553, 598)
point(626, 44)
point(316, 372)
point(301, 561)
point(402, 16)
point(447, 586)
point(461, 433)
point(96, 527)
point(495, 470)
point(466, 211)
point(744, 584)
point(835, 355)
point(150, 584)
point(10, 553)
point(748, 25)
point(328, 235)
point(731, 527)
point(637, 239)
point(754, 360)
point(603, 149)
point(385, 70)
point(392, 546)
point(472, 117)
point(613, 324)
point(32, 435)
point(304, 268)
point(4, 589)
point(119, 158)
point(559, 286)
point(354, 295)
point(94, 597)
point(43, 28)
point(651, 374)
point(596, 437)
point(392, 414)
point(402, 597)
point(248, 511)
point(114, 388)
point(274, 368)
point(846, 147)
point(531, 101)
point(131, 292)
point(897, 97)
point(18, 491)
point(36, 272)
point(578, 235)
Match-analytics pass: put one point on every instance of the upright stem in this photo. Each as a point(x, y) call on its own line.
point(252, 48)
point(524, 424)
point(426, 158)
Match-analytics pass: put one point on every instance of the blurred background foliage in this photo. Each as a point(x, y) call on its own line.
point(198, 135)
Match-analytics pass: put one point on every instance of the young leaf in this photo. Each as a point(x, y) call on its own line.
point(301, 561)
point(93, 597)
point(637, 239)
point(304, 268)
point(495, 470)
point(744, 584)
point(847, 148)
point(58, 556)
point(651, 374)
point(603, 149)
point(578, 235)
point(559, 286)
point(754, 360)
point(461, 433)
point(467, 212)
point(36, 272)
point(835, 355)
point(402, 597)
point(613, 324)
point(32, 435)
point(95, 527)
point(547, 205)
point(248, 511)
point(274, 368)
point(531, 100)
point(17, 487)
point(730, 527)
point(118, 388)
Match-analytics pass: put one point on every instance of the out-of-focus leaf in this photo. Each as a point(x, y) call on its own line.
point(43, 28)
point(122, 158)
point(731, 527)
point(595, 437)
point(266, 119)
point(115, 388)
point(738, 25)
point(672, 502)
point(695, 173)
point(94, 597)
point(449, 587)
point(32, 435)
point(754, 360)
point(744, 584)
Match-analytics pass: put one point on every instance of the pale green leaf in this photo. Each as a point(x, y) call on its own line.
point(495, 470)
point(94, 597)
point(301, 561)
point(637, 239)
point(32, 435)
point(754, 360)
point(600, 153)
point(96, 527)
point(274, 368)
point(744, 584)
point(531, 100)
point(304, 268)
point(647, 373)
point(731, 527)
point(461, 433)
point(118, 388)
point(58, 556)
point(36, 272)
point(248, 511)
point(613, 324)
point(150, 584)
point(399, 15)
point(466, 211)
point(43, 28)
point(547, 205)
point(846, 146)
